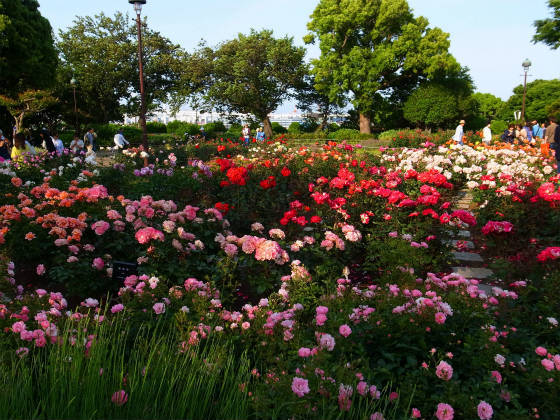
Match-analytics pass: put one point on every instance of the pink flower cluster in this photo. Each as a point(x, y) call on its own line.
point(497, 227)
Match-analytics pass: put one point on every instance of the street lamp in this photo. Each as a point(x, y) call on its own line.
point(526, 64)
point(138, 9)
point(73, 82)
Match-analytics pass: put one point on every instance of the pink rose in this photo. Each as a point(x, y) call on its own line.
point(444, 371)
point(541, 351)
point(547, 364)
point(484, 410)
point(304, 352)
point(117, 308)
point(300, 386)
point(98, 263)
point(440, 317)
point(344, 330)
point(40, 269)
point(159, 308)
point(444, 412)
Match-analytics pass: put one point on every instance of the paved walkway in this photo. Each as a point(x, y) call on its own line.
point(469, 262)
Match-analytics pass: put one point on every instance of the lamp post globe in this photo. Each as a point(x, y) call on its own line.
point(137, 5)
point(73, 82)
point(526, 64)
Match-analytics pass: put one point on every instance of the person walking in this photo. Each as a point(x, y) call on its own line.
point(119, 140)
point(459, 132)
point(246, 132)
point(537, 131)
point(487, 134)
point(90, 138)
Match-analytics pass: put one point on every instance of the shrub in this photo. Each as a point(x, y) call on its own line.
point(278, 129)
point(294, 128)
point(214, 129)
point(156, 127)
point(179, 128)
point(498, 126)
point(349, 134)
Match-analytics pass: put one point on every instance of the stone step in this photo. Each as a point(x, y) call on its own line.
point(465, 244)
point(464, 234)
point(472, 257)
point(486, 288)
point(473, 272)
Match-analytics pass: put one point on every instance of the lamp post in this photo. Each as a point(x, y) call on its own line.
point(526, 64)
point(73, 82)
point(138, 9)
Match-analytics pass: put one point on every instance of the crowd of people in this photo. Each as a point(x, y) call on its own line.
point(21, 144)
point(532, 134)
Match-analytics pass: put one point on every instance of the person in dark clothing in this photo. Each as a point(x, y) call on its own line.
point(5, 149)
point(555, 145)
point(47, 140)
point(509, 134)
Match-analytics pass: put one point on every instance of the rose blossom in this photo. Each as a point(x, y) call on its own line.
point(300, 386)
point(120, 397)
point(444, 371)
point(345, 330)
point(159, 308)
point(444, 412)
point(484, 410)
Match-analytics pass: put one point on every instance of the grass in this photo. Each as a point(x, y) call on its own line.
point(62, 381)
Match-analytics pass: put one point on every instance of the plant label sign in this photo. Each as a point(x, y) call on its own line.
point(122, 269)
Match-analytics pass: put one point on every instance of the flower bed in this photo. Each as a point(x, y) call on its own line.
point(328, 270)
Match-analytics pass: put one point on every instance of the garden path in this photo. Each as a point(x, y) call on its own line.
point(469, 263)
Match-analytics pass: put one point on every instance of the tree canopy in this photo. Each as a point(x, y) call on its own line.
point(548, 30)
point(101, 53)
point(489, 106)
point(251, 74)
point(28, 58)
point(540, 94)
point(431, 105)
point(371, 49)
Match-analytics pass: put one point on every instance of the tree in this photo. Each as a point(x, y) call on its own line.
point(553, 109)
point(101, 53)
point(431, 105)
point(26, 104)
point(548, 30)
point(489, 106)
point(540, 94)
point(372, 49)
point(316, 101)
point(251, 74)
point(28, 58)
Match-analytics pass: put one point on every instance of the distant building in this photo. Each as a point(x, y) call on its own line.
point(201, 118)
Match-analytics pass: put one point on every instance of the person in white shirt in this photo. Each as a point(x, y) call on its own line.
point(458, 137)
point(58, 144)
point(120, 141)
point(77, 144)
point(487, 134)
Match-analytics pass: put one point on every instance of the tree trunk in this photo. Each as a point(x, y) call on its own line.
point(267, 127)
point(19, 121)
point(365, 124)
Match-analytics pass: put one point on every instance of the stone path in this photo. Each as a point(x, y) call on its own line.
point(469, 263)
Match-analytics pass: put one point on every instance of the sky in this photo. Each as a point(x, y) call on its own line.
point(490, 37)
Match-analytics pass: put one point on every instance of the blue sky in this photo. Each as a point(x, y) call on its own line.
point(491, 37)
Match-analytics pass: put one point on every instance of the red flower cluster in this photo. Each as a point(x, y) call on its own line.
point(550, 253)
point(223, 207)
point(238, 175)
point(267, 183)
point(497, 227)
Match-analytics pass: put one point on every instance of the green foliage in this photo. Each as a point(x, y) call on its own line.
point(251, 74)
point(102, 51)
point(431, 105)
point(295, 128)
point(26, 104)
point(28, 58)
point(106, 133)
point(369, 47)
point(498, 126)
point(234, 131)
point(214, 129)
point(278, 129)
point(548, 30)
point(540, 94)
point(489, 106)
point(156, 127)
point(179, 128)
point(349, 134)
point(553, 109)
